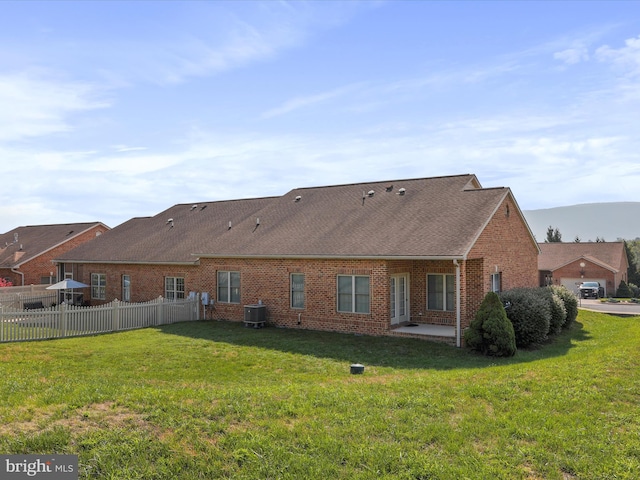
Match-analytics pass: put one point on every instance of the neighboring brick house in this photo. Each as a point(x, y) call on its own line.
point(360, 258)
point(27, 253)
point(570, 264)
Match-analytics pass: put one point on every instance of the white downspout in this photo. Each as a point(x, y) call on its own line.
point(458, 336)
point(19, 273)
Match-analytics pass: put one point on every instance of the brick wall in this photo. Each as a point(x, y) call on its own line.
point(505, 242)
point(147, 281)
point(592, 271)
point(42, 265)
point(506, 247)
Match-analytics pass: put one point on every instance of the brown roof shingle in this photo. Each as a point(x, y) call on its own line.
point(431, 217)
point(554, 255)
point(24, 243)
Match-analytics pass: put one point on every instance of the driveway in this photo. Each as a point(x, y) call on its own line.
point(613, 308)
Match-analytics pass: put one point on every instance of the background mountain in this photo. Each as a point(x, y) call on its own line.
point(608, 221)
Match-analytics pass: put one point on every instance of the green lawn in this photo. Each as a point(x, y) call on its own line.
point(216, 400)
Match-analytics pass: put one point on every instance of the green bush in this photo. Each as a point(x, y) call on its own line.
point(530, 313)
point(635, 291)
point(557, 309)
point(623, 290)
point(570, 303)
point(491, 332)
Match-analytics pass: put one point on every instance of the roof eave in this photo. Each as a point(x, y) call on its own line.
point(334, 257)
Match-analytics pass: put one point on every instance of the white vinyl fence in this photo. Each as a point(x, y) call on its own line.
point(72, 321)
point(19, 297)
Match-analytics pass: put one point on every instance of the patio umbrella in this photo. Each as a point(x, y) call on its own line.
point(65, 285)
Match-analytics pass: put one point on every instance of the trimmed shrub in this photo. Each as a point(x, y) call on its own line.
point(558, 313)
point(623, 290)
point(570, 303)
point(635, 291)
point(491, 332)
point(530, 313)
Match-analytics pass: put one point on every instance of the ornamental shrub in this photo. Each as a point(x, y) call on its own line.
point(491, 332)
point(623, 290)
point(570, 303)
point(530, 313)
point(557, 309)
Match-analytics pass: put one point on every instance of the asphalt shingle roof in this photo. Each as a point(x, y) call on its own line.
point(24, 243)
point(554, 255)
point(432, 217)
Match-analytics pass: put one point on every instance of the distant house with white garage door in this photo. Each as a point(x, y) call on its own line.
point(570, 264)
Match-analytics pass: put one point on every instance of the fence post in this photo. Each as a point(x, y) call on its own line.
point(1, 323)
point(159, 311)
point(63, 319)
point(115, 316)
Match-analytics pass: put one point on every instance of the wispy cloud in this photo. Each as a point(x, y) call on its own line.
point(571, 56)
point(301, 102)
point(626, 58)
point(238, 42)
point(126, 148)
point(34, 104)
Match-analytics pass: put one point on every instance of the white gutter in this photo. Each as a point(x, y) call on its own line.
point(458, 336)
point(332, 257)
point(19, 273)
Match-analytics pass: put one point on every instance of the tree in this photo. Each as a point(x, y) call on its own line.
point(491, 332)
point(632, 248)
point(623, 290)
point(553, 235)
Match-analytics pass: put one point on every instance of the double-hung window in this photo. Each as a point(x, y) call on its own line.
point(441, 292)
point(126, 288)
point(496, 282)
point(173, 288)
point(98, 286)
point(228, 287)
point(353, 294)
point(297, 290)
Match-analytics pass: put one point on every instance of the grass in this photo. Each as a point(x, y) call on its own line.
point(216, 400)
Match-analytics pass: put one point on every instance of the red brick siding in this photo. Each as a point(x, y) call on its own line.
point(592, 272)
point(147, 281)
point(506, 244)
point(42, 265)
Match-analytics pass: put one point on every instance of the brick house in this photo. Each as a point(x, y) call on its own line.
point(364, 258)
point(27, 253)
point(570, 264)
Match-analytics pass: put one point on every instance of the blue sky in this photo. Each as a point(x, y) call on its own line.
point(111, 110)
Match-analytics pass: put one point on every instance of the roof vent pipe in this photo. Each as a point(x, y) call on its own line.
point(402, 191)
point(229, 227)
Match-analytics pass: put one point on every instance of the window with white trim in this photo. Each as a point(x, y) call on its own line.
point(353, 293)
point(173, 288)
point(496, 282)
point(98, 286)
point(297, 290)
point(441, 292)
point(228, 287)
point(126, 288)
